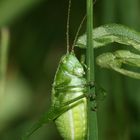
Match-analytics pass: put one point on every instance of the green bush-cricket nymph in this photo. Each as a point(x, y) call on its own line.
point(72, 124)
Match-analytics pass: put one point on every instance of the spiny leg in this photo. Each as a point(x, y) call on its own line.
point(101, 94)
point(58, 87)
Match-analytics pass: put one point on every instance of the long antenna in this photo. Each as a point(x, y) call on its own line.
point(78, 30)
point(68, 22)
point(77, 33)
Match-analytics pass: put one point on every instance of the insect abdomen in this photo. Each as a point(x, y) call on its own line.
point(69, 81)
point(72, 124)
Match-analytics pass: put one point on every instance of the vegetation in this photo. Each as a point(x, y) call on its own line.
point(27, 66)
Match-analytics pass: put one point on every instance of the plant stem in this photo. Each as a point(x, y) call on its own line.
point(3, 59)
point(92, 116)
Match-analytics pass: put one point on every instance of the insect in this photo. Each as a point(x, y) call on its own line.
point(69, 77)
point(69, 83)
point(69, 102)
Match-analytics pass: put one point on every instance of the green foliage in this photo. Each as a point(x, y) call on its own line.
point(4, 49)
point(36, 39)
point(116, 60)
point(13, 91)
point(108, 34)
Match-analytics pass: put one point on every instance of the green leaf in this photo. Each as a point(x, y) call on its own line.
point(121, 34)
point(116, 59)
point(110, 33)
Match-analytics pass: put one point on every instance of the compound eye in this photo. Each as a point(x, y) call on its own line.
point(79, 72)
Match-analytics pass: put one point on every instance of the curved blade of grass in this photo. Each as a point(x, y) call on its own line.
point(110, 33)
point(116, 59)
point(4, 48)
point(128, 57)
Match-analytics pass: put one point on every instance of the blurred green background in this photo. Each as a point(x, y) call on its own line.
point(37, 42)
